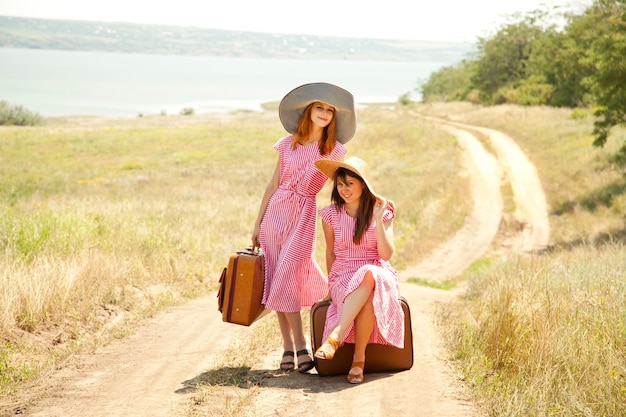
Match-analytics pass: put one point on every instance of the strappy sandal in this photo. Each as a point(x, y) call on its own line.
point(328, 349)
point(305, 366)
point(287, 365)
point(356, 377)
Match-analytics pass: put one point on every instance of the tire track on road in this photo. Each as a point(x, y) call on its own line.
point(476, 235)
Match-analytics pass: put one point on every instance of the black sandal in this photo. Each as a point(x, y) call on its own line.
point(305, 366)
point(287, 365)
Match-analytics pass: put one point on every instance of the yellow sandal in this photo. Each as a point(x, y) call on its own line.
point(328, 349)
point(356, 377)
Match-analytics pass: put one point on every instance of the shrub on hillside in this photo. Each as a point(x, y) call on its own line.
point(529, 92)
point(451, 83)
point(405, 99)
point(15, 115)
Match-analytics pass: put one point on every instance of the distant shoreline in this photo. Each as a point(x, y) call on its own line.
point(101, 36)
point(260, 107)
point(256, 106)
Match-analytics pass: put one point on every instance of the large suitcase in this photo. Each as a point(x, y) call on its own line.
point(378, 358)
point(241, 288)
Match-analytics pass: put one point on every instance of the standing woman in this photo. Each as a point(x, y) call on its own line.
point(363, 286)
point(320, 118)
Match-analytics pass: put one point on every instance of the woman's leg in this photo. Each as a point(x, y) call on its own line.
point(363, 327)
point(305, 361)
point(287, 362)
point(293, 335)
point(352, 305)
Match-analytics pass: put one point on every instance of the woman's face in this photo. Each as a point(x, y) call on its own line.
point(322, 114)
point(350, 188)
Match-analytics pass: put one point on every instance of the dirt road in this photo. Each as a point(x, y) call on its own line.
point(486, 174)
point(151, 373)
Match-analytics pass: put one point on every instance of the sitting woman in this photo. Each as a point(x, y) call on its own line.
point(363, 286)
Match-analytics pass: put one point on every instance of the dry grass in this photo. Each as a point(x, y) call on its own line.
point(103, 221)
point(545, 334)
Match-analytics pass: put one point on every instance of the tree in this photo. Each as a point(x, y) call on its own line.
point(503, 58)
point(606, 54)
point(558, 60)
point(451, 83)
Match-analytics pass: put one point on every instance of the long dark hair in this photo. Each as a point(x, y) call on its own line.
point(366, 203)
point(328, 141)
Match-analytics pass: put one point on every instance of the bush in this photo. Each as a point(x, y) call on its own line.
point(14, 115)
point(405, 99)
point(473, 96)
point(529, 92)
point(578, 114)
point(187, 111)
point(448, 84)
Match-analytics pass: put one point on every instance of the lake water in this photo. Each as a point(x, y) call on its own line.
point(61, 83)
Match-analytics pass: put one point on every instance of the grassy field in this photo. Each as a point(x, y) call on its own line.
point(545, 335)
point(106, 221)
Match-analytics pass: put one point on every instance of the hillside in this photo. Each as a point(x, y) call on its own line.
point(18, 32)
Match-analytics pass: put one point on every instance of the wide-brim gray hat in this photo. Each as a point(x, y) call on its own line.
point(329, 167)
point(293, 104)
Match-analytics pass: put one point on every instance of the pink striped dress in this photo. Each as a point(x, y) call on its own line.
point(293, 278)
point(348, 270)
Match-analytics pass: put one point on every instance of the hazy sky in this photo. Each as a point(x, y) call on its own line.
point(440, 20)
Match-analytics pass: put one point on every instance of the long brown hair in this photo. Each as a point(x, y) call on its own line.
point(366, 203)
point(328, 141)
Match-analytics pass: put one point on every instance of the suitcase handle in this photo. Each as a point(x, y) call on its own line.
point(252, 250)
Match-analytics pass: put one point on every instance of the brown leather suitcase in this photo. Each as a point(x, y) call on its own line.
point(378, 358)
point(241, 288)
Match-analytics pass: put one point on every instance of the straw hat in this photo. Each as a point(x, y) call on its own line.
point(293, 104)
point(356, 165)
